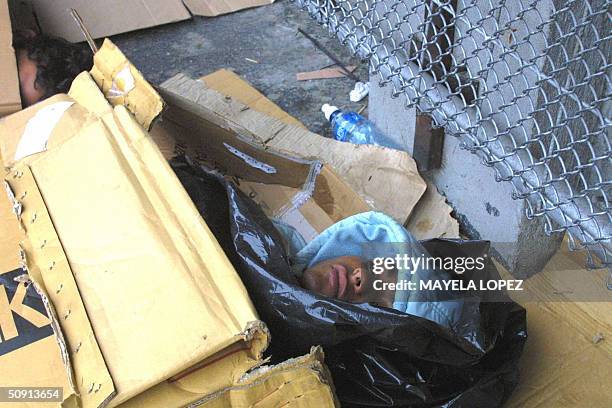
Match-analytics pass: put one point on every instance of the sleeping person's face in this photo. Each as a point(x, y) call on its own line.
point(30, 92)
point(347, 278)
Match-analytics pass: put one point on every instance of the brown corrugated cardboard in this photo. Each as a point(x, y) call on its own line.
point(304, 193)
point(299, 382)
point(10, 101)
point(431, 218)
point(110, 17)
point(49, 268)
point(230, 84)
point(122, 84)
point(105, 18)
point(210, 8)
point(11, 233)
point(159, 293)
point(566, 362)
point(374, 172)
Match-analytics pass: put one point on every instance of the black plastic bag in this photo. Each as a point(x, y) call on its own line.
point(377, 356)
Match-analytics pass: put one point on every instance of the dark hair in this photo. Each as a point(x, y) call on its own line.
point(57, 61)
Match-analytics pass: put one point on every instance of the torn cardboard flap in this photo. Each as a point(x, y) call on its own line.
point(375, 173)
point(311, 195)
point(190, 125)
point(230, 84)
point(122, 84)
point(11, 233)
point(38, 129)
point(15, 204)
point(53, 320)
point(302, 382)
point(431, 218)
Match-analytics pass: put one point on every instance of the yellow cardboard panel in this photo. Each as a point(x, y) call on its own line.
point(158, 290)
point(122, 84)
point(566, 362)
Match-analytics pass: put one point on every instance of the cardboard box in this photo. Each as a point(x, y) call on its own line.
point(429, 218)
point(306, 194)
point(146, 306)
point(229, 84)
point(141, 288)
point(10, 100)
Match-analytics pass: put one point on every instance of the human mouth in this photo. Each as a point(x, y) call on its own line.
point(332, 281)
point(341, 278)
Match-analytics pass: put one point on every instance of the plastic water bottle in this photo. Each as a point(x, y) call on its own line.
point(354, 128)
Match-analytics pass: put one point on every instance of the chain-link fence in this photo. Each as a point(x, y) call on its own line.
point(525, 84)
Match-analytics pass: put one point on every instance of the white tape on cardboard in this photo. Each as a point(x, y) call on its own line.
point(251, 161)
point(38, 129)
point(123, 83)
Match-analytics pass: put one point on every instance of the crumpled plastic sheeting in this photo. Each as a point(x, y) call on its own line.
point(377, 356)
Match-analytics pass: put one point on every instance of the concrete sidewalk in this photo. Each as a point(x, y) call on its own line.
point(265, 34)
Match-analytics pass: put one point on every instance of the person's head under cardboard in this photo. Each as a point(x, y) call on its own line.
point(47, 65)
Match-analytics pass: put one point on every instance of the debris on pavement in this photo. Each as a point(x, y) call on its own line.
point(359, 92)
point(329, 54)
point(325, 73)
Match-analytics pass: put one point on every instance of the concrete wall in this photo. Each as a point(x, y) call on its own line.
point(483, 206)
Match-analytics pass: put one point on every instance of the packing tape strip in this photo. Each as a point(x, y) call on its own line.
point(48, 266)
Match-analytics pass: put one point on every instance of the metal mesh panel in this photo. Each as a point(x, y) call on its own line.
point(525, 84)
